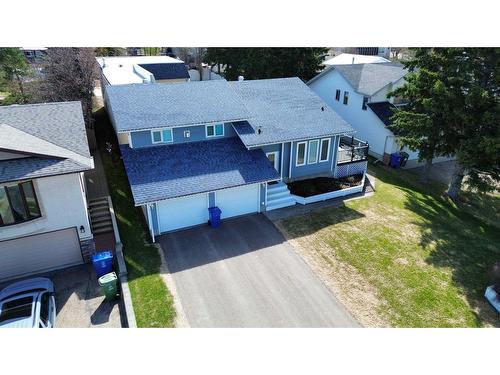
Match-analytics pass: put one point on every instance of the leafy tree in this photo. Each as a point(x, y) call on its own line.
point(452, 109)
point(69, 74)
point(14, 68)
point(109, 51)
point(260, 63)
point(152, 51)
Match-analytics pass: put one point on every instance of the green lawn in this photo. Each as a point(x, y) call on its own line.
point(425, 258)
point(153, 303)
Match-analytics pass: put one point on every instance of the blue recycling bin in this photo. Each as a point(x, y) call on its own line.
point(214, 216)
point(396, 160)
point(102, 262)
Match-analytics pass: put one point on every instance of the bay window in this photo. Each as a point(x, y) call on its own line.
point(18, 203)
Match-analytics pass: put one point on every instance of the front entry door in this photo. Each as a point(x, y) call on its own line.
point(275, 159)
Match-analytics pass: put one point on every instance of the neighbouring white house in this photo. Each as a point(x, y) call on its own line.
point(44, 221)
point(350, 58)
point(124, 70)
point(358, 93)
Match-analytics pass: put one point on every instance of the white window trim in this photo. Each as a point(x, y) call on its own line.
point(214, 125)
point(161, 130)
point(297, 154)
point(317, 151)
point(321, 149)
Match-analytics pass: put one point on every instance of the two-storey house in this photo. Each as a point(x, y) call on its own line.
point(234, 145)
point(359, 93)
point(44, 221)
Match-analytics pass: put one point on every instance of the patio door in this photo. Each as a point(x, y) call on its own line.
point(274, 157)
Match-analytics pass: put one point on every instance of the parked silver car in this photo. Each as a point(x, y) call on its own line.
point(28, 304)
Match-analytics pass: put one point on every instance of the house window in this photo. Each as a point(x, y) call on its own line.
point(301, 154)
point(324, 151)
point(18, 203)
point(313, 152)
point(216, 130)
point(346, 97)
point(365, 100)
point(162, 136)
point(337, 95)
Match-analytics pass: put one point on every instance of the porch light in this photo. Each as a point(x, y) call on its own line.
point(82, 229)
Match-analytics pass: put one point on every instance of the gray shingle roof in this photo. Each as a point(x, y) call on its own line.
point(52, 133)
point(285, 109)
point(163, 172)
point(146, 106)
point(59, 123)
point(367, 79)
point(36, 167)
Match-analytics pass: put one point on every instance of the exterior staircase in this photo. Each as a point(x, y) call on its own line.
point(100, 216)
point(278, 196)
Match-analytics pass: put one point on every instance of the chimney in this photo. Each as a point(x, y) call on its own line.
point(241, 78)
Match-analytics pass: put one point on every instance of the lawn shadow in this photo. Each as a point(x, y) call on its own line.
point(316, 220)
point(459, 240)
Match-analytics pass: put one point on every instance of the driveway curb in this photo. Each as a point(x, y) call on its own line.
point(180, 316)
point(125, 296)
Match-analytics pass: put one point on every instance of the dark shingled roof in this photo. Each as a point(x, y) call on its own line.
point(51, 134)
point(285, 109)
point(147, 106)
point(167, 71)
point(383, 110)
point(36, 167)
point(162, 172)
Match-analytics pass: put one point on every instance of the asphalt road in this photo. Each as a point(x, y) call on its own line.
point(244, 274)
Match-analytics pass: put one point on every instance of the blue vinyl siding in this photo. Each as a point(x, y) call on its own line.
point(315, 168)
point(197, 133)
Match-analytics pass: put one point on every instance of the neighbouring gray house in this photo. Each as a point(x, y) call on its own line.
point(44, 222)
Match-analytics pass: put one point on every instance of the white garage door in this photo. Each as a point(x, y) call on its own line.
point(238, 201)
point(39, 253)
point(182, 212)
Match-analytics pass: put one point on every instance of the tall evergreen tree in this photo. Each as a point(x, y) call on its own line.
point(260, 63)
point(453, 109)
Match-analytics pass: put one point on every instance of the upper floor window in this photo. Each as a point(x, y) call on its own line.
point(216, 130)
point(365, 100)
point(18, 203)
point(337, 95)
point(162, 136)
point(346, 97)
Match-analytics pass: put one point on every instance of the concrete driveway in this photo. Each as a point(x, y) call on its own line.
point(79, 301)
point(244, 274)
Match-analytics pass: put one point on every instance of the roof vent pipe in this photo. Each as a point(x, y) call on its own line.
point(259, 129)
point(241, 78)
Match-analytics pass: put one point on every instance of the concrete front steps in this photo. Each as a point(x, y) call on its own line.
point(100, 216)
point(278, 196)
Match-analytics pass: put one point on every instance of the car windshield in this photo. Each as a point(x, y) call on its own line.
point(16, 309)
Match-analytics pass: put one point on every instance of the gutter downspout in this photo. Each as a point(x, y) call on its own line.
point(150, 220)
point(290, 162)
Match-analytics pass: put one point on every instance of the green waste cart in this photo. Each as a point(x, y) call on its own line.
point(109, 285)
